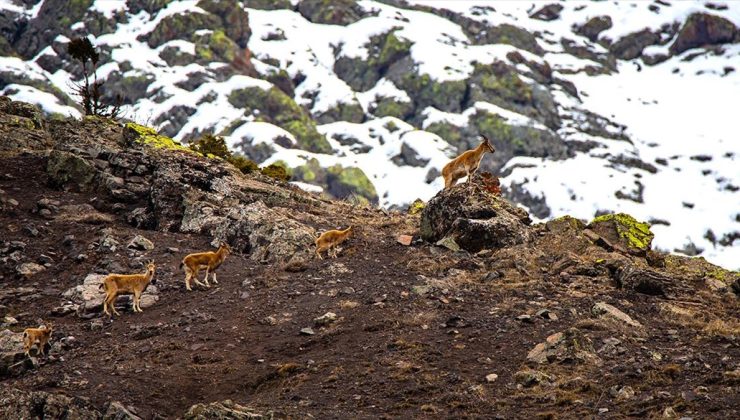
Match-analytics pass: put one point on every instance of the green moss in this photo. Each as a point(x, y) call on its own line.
point(636, 234)
point(393, 48)
point(390, 107)
point(446, 96)
point(417, 206)
point(215, 46)
point(276, 171)
point(351, 180)
point(173, 26)
point(147, 135)
point(276, 107)
point(448, 132)
point(211, 146)
point(507, 86)
point(564, 223)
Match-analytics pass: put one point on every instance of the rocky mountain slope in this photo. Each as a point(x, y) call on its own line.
point(503, 318)
point(593, 107)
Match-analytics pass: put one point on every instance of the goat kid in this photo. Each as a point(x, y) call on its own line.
point(331, 239)
point(466, 164)
point(40, 335)
point(126, 284)
point(211, 260)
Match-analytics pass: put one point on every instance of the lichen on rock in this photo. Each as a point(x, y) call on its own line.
point(146, 135)
point(625, 230)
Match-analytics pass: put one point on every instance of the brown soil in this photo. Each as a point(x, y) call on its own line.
point(392, 352)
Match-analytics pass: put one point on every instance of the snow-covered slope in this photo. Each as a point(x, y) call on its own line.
point(593, 106)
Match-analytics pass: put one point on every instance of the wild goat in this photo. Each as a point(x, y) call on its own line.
point(211, 260)
point(40, 335)
point(331, 239)
point(466, 164)
point(126, 284)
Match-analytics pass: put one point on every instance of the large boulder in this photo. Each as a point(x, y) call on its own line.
point(264, 232)
point(338, 12)
point(18, 404)
point(474, 218)
point(21, 127)
point(704, 29)
point(623, 232)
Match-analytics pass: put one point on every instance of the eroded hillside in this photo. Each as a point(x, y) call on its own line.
point(505, 318)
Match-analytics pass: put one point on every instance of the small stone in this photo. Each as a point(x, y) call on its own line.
point(269, 320)
point(9, 320)
point(173, 250)
point(448, 243)
point(325, 319)
point(525, 318)
point(604, 309)
point(603, 410)
point(307, 331)
point(29, 269)
point(244, 295)
point(491, 377)
point(405, 240)
point(68, 240)
point(197, 346)
point(544, 313)
point(81, 258)
point(347, 290)
point(31, 231)
point(141, 243)
point(421, 290)
point(96, 324)
point(491, 276)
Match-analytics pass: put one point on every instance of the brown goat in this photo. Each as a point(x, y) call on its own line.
point(331, 239)
point(466, 164)
point(40, 335)
point(126, 284)
point(210, 260)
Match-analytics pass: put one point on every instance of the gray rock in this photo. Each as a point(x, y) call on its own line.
point(141, 243)
point(605, 310)
point(18, 404)
point(474, 218)
point(225, 410)
point(326, 319)
point(307, 331)
point(117, 411)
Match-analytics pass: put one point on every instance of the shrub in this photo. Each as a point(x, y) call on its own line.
point(276, 171)
point(210, 145)
point(243, 164)
point(91, 94)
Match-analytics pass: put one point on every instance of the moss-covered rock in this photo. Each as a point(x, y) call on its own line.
point(704, 29)
point(150, 6)
point(340, 182)
point(275, 107)
point(234, 19)
point(383, 50)
point(174, 56)
point(501, 85)
point(131, 88)
point(417, 206)
point(511, 140)
point(426, 91)
point(625, 231)
point(175, 26)
point(67, 170)
point(270, 4)
point(215, 46)
point(246, 166)
point(593, 27)
point(332, 12)
point(343, 182)
point(53, 18)
point(343, 111)
point(392, 107)
point(450, 133)
point(133, 132)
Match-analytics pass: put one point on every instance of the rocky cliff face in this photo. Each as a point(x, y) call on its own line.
point(481, 311)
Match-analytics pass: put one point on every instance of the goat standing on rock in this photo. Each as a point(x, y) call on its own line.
point(466, 164)
point(126, 284)
point(211, 260)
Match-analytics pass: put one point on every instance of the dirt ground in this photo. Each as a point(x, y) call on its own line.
point(398, 347)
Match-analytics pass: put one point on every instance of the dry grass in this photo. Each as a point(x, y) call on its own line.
point(721, 328)
point(348, 304)
point(419, 319)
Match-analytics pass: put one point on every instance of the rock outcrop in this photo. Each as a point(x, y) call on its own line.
point(474, 218)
